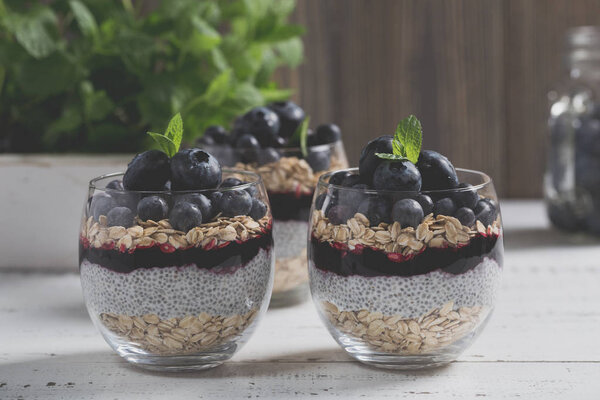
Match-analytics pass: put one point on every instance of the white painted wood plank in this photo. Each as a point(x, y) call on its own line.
point(78, 377)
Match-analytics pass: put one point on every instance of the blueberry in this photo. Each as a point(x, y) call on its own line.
point(437, 171)
point(185, 216)
point(397, 175)
point(249, 148)
point(258, 210)
point(353, 198)
point(262, 123)
point(231, 182)
point(120, 216)
point(115, 185)
point(486, 211)
point(147, 171)
point(339, 214)
point(279, 142)
point(201, 201)
point(235, 202)
point(465, 215)
point(206, 141)
point(318, 160)
point(194, 169)
point(152, 207)
point(467, 198)
point(167, 186)
point(407, 212)
point(331, 199)
point(312, 139)
point(425, 202)
point(351, 180)
point(217, 133)
point(290, 117)
point(215, 197)
point(268, 155)
point(338, 177)
point(369, 161)
point(444, 206)
point(328, 133)
point(376, 210)
point(101, 204)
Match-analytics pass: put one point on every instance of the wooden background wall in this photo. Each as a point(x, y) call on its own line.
point(475, 72)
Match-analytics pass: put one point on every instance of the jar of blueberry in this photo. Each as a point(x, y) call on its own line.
point(176, 268)
point(275, 142)
point(572, 181)
point(405, 253)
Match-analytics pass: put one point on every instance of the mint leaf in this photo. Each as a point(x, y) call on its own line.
point(175, 131)
point(408, 139)
point(85, 19)
point(391, 157)
point(165, 143)
point(303, 128)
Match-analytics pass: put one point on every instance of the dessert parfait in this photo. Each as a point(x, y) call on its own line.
point(405, 253)
point(276, 143)
point(176, 258)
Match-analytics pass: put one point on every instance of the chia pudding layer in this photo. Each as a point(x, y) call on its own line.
point(177, 291)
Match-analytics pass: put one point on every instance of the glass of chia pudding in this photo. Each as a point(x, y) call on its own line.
point(405, 257)
point(267, 141)
point(176, 268)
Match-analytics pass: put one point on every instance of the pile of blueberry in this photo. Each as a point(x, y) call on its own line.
point(404, 180)
point(258, 136)
point(188, 170)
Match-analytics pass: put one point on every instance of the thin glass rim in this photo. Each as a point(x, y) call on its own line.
point(487, 182)
point(258, 181)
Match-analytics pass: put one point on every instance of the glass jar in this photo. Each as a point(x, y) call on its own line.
point(404, 295)
point(290, 179)
point(572, 179)
point(166, 299)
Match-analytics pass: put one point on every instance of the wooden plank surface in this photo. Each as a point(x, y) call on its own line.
point(540, 344)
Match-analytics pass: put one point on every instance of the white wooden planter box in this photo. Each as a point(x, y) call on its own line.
point(41, 201)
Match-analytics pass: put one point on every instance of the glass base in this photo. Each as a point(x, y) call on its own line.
point(441, 356)
point(178, 363)
point(287, 298)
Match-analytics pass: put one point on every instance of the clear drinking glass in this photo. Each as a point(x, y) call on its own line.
point(404, 297)
point(290, 179)
point(171, 300)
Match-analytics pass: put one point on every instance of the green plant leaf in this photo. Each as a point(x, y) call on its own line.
point(304, 135)
point(290, 51)
point(218, 88)
point(174, 131)
point(165, 143)
point(391, 157)
point(32, 31)
point(408, 139)
point(85, 19)
point(271, 95)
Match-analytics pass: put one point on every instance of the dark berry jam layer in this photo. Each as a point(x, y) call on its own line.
point(366, 261)
point(230, 254)
point(290, 206)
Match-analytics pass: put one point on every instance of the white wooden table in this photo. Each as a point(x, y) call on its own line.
point(542, 343)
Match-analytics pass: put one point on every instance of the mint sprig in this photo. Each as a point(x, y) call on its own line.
point(407, 141)
point(171, 139)
point(300, 136)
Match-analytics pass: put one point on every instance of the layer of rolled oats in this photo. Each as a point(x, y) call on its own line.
point(189, 334)
point(150, 233)
point(290, 272)
point(440, 231)
point(438, 328)
point(290, 174)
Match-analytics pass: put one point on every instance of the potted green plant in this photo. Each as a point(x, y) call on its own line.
point(90, 76)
